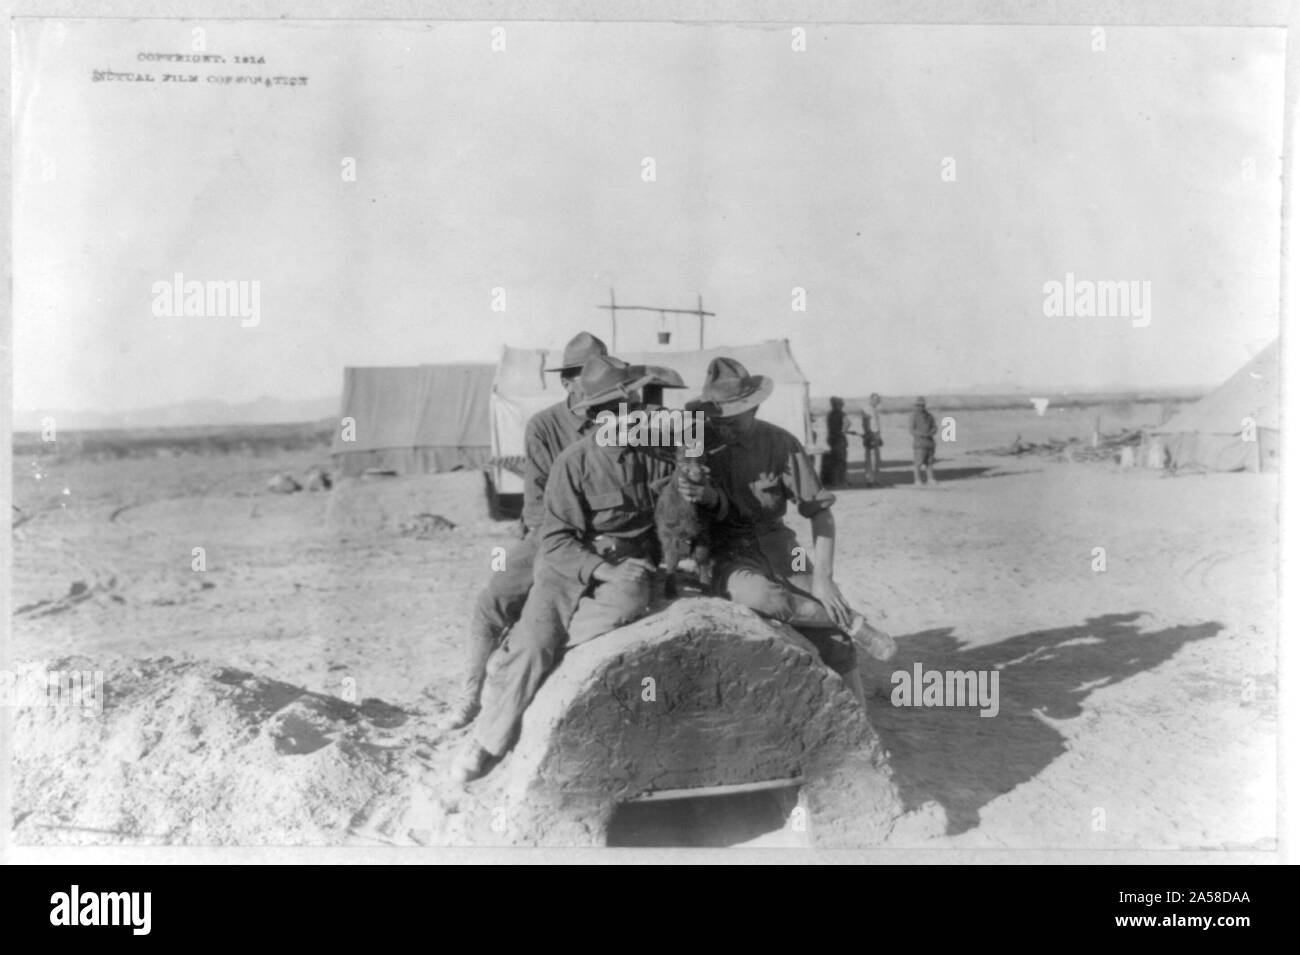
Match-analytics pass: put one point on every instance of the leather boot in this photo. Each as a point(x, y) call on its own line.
point(874, 643)
point(462, 712)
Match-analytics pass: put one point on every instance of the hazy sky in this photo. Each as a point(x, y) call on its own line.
point(522, 169)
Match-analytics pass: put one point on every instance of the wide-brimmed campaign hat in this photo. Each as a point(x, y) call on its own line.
point(581, 347)
point(661, 376)
point(729, 389)
point(605, 378)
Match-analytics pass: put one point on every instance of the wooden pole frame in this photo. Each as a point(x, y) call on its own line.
point(614, 308)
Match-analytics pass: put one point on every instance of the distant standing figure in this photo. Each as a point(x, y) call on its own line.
point(835, 466)
point(872, 441)
point(923, 431)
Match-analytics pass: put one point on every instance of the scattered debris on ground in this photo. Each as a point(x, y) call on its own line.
point(318, 479)
point(1108, 447)
point(425, 525)
point(283, 484)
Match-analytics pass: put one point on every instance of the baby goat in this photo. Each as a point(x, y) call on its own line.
point(683, 527)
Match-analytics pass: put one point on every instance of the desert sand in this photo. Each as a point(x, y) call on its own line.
point(1137, 703)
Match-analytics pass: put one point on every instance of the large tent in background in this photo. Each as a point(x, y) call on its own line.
point(416, 420)
point(522, 389)
point(1215, 433)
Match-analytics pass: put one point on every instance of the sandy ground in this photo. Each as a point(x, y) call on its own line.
point(1137, 704)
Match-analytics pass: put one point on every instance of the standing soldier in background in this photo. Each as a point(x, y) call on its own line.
point(497, 606)
point(835, 466)
point(872, 440)
point(923, 431)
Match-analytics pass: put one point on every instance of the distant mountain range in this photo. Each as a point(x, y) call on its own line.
point(962, 399)
point(199, 413)
point(215, 413)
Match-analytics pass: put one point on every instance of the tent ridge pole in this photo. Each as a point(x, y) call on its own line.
point(699, 301)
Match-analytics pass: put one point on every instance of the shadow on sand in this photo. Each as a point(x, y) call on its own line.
point(899, 474)
point(961, 760)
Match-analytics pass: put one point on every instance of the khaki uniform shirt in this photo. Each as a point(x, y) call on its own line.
point(923, 429)
point(758, 476)
point(596, 490)
point(548, 433)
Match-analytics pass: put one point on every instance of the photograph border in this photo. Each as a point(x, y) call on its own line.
point(1166, 13)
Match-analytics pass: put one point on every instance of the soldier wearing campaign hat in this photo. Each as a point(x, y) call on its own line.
point(923, 431)
point(759, 469)
point(497, 606)
point(596, 561)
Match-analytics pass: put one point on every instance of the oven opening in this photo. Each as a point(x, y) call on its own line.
point(753, 814)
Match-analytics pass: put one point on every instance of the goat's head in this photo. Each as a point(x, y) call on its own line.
point(692, 468)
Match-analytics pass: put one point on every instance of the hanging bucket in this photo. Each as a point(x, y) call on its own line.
point(664, 337)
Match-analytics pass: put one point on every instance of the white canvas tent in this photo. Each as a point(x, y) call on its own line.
point(419, 419)
point(1235, 427)
point(521, 389)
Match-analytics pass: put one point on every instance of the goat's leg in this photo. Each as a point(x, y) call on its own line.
point(704, 567)
point(670, 565)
